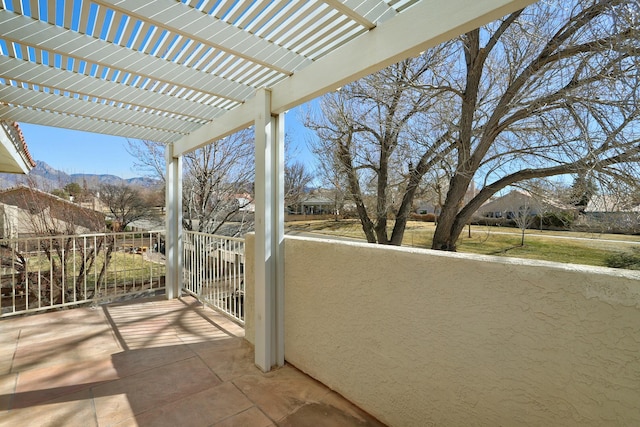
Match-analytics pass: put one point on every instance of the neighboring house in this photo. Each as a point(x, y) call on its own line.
point(610, 203)
point(146, 224)
point(245, 202)
point(613, 211)
point(508, 206)
point(14, 155)
point(26, 212)
point(89, 201)
point(313, 204)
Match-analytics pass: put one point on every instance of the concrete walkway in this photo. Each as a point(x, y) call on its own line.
point(151, 363)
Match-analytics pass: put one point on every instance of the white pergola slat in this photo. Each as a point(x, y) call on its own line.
point(207, 30)
point(56, 40)
point(101, 111)
point(193, 61)
point(189, 72)
point(29, 72)
point(82, 123)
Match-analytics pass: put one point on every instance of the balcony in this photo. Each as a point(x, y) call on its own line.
point(414, 337)
point(488, 340)
point(151, 362)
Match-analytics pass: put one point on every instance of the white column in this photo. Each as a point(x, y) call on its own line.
point(269, 225)
point(278, 231)
point(173, 241)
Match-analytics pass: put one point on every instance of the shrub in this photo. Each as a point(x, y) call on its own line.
point(554, 220)
point(424, 217)
point(628, 260)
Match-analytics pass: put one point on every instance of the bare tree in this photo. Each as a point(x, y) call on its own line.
point(296, 180)
point(126, 205)
point(217, 179)
point(329, 172)
point(57, 222)
point(524, 214)
point(149, 157)
point(546, 91)
point(382, 134)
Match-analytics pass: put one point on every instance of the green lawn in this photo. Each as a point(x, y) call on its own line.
point(560, 246)
point(124, 269)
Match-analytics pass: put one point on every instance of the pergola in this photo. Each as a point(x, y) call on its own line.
point(189, 72)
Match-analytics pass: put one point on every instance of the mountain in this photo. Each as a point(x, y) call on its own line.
point(48, 178)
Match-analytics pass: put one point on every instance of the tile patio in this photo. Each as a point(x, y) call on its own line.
point(151, 362)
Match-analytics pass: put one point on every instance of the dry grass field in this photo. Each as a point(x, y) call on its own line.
point(560, 246)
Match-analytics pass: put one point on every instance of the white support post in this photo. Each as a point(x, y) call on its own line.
point(269, 225)
point(173, 240)
point(278, 232)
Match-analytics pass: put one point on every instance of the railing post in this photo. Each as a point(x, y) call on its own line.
point(173, 244)
point(269, 229)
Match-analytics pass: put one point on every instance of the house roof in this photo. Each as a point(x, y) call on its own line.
point(5, 197)
point(611, 203)
point(186, 72)
point(34, 201)
point(513, 199)
point(317, 199)
point(14, 154)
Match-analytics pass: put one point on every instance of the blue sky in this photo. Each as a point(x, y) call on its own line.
point(81, 152)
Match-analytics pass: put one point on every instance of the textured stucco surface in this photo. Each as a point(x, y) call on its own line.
point(420, 338)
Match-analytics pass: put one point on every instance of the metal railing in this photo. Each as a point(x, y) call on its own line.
point(43, 273)
point(214, 271)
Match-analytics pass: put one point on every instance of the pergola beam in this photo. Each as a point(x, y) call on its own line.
point(235, 120)
point(366, 12)
point(420, 27)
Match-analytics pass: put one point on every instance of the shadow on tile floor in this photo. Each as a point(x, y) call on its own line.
point(152, 363)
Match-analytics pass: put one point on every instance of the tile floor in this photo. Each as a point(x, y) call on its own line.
point(151, 362)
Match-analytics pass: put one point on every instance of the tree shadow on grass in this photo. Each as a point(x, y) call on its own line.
point(506, 250)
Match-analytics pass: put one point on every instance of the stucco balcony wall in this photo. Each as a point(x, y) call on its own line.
point(418, 337)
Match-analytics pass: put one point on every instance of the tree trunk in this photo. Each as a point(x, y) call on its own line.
point(448, 229)
point(386, 148)
point(367, 225)
point(402, 215)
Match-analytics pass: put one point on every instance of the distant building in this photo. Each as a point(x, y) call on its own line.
point(89, 201)
point(611, 203)
point(26, 211)
point(245, 202)
point(508, 206)
point(313, 204)
point(613, 212)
